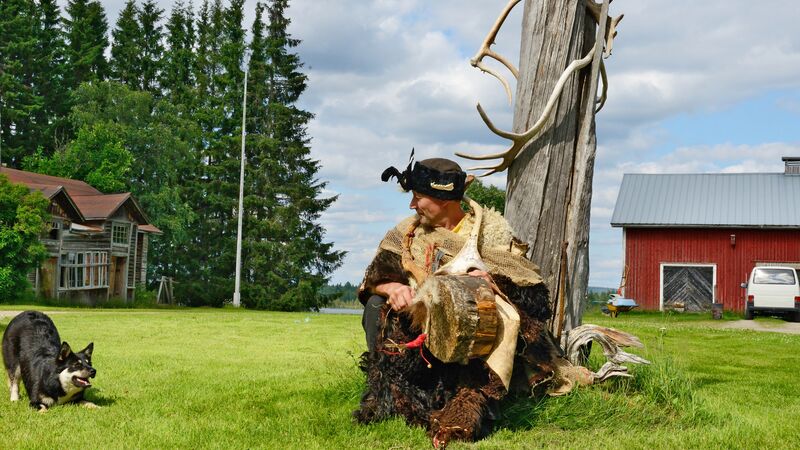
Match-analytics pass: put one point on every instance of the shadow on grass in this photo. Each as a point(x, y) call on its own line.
point(658, 394)
point(96, 397)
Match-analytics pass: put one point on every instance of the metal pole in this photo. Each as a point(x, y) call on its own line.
point(236, 293)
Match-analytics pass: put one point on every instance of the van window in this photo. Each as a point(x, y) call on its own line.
point(773, 276)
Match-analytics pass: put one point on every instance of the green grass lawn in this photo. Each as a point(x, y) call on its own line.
point(210, 378)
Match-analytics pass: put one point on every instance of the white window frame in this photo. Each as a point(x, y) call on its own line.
point(120, 228)
point(84, 270)
point(661, 280)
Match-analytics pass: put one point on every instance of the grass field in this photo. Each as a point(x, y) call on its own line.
point(210, 378)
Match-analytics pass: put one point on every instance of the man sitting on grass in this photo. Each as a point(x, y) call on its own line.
point(453, 401)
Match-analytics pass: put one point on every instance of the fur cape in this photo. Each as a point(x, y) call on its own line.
point(452, 401)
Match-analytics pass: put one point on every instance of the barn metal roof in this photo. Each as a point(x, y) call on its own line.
point(768, 200)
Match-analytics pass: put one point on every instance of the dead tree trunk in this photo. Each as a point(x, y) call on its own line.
point(549, 186)
point(551, 159)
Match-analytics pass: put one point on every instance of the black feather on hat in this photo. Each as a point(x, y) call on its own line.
point(437, 177)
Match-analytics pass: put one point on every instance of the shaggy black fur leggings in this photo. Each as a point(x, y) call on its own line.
point(370, 320)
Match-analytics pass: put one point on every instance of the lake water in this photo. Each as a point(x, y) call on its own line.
point(348, 311)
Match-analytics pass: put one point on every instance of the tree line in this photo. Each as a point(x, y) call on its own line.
point(156, 110)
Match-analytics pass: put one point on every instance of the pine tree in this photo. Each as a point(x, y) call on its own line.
point(126, 58)
point(287, 260)
point(86, 31)
point(151, 46)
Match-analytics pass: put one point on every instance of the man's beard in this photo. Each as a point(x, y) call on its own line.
point(426, 221)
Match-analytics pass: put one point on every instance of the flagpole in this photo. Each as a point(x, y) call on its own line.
point(236, 292)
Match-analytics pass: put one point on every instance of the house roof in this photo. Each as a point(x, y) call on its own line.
point(98, 207)
point(150, 229)
point(89, 203)
point(73, 187)
point(763, 200)
point(59, 195)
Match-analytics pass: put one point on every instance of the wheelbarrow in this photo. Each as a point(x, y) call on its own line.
point(616, 304)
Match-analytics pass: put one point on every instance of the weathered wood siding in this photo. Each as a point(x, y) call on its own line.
point(646, 249)
point(141, 258)
point(133, 253)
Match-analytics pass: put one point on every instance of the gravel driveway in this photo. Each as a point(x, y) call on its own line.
point(784, 327)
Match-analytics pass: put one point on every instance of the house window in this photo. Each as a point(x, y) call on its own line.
point(55, 230)
point(84, 270)
point(119, 233)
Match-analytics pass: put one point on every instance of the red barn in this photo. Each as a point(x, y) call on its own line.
point(692, 239)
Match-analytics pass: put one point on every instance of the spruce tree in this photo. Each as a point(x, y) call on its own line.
point(214, 186)
point(177, 75)
point(47, 68)
point(126, 57)
point(20, 101)
point(85, 30)
point(287, 260)
point(151, 46)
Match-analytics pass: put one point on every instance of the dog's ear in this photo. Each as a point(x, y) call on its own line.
point(88, 350)
point(64, 353)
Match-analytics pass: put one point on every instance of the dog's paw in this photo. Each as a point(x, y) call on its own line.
point(90, 405)
point(42, 409)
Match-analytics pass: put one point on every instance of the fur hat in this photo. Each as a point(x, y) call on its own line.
point(437, 177)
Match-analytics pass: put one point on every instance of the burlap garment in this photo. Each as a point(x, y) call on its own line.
point(435, 247)
point(499, 254)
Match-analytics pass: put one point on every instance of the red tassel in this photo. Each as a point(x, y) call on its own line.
point(417, 342)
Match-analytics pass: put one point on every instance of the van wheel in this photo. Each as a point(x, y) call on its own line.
point(748, 313)
point(795, 317)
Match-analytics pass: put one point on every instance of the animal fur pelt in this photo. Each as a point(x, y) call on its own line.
point(452, 401)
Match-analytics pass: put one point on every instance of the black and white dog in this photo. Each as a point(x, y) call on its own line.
point(52, 373)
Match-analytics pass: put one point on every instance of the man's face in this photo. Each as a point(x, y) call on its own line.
point(430, 210)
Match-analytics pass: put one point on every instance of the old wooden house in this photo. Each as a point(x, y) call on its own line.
point(692, 239)
point(97, 243)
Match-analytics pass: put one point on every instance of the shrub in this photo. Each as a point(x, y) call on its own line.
point(23, 218)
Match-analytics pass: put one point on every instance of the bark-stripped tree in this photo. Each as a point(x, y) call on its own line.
point(551, 158)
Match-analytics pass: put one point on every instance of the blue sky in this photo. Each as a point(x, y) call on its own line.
point(710, 86)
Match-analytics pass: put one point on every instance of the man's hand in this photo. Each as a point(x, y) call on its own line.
point(398, 295)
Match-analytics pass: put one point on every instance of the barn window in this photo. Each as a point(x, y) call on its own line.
point(690, 285)
point(84, 270)
point(119, 233)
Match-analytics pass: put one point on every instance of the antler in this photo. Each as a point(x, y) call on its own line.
point(485, 50)
point(520, 139)
point(611, 32)
point(595, 9)
point(605, 41)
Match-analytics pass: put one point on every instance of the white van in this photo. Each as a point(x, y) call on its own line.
point(774, 290)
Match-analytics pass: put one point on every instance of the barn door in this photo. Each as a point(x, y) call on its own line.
point(691, 285)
